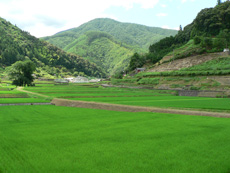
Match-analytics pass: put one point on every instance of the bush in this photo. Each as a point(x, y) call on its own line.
point(219, 43)
point(207, 43)
point(197, 40)
point(194, 88)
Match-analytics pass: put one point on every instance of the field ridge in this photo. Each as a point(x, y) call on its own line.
point(127, 108)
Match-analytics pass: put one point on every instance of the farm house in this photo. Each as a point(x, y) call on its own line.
point(61, 81)
point(137, 70)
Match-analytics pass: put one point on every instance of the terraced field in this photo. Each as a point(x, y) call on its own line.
point(135, 97)
point(9, 94)
point(69, 139)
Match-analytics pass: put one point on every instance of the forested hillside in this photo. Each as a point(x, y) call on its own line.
point(209, 32)
point(102, 49)
point(107, 42)
point(139, 36)
point(16, 44)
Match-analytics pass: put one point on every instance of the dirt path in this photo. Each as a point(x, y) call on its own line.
point(126, 108)
point(33, 93)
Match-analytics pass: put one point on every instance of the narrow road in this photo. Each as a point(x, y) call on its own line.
point(127, 108)
point(33, 93)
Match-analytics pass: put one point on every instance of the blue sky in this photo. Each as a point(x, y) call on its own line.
point(47, 17)
point(166, 14)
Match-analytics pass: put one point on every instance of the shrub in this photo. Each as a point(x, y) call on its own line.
point(219, 43)
point(197, 40)
point(207, 43)
point(194, 88)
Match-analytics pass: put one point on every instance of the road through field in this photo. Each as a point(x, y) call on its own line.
point(126, 108)
point(33, 93)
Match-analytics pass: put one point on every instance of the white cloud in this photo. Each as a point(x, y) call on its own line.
point(163, 5)
point(45, 17)
point(167, 27)
point(161, 14)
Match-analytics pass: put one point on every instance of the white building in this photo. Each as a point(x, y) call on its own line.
point(80, 79)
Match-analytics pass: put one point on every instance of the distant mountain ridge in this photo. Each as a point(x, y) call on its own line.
point(125, 38)
point(129, 33)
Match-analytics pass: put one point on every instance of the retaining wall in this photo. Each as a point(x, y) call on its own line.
point(194, 93)
point(24, 104)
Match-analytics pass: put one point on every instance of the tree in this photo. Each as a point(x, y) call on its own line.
point(21, 73)
point(136, 61)
point(197, 40)
point(218, 2)
point(207, 43)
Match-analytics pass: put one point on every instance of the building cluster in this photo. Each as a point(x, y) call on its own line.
point(78, 79)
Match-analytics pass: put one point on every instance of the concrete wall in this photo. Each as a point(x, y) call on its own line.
point(195, 93)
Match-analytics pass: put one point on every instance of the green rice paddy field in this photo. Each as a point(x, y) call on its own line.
point(9, 94)
point(136, 97)
point(66, 139)
point(61, 139)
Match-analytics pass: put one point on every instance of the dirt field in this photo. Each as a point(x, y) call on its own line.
point(185, 62)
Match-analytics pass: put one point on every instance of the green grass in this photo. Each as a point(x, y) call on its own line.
point(61, 139)
point(186, 50)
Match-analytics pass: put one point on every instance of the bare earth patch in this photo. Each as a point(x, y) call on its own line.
point(185, 62)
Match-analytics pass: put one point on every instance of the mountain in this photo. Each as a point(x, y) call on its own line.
point(136, 35)
point(123, 38)
point(102, 49)
point(16, 45)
